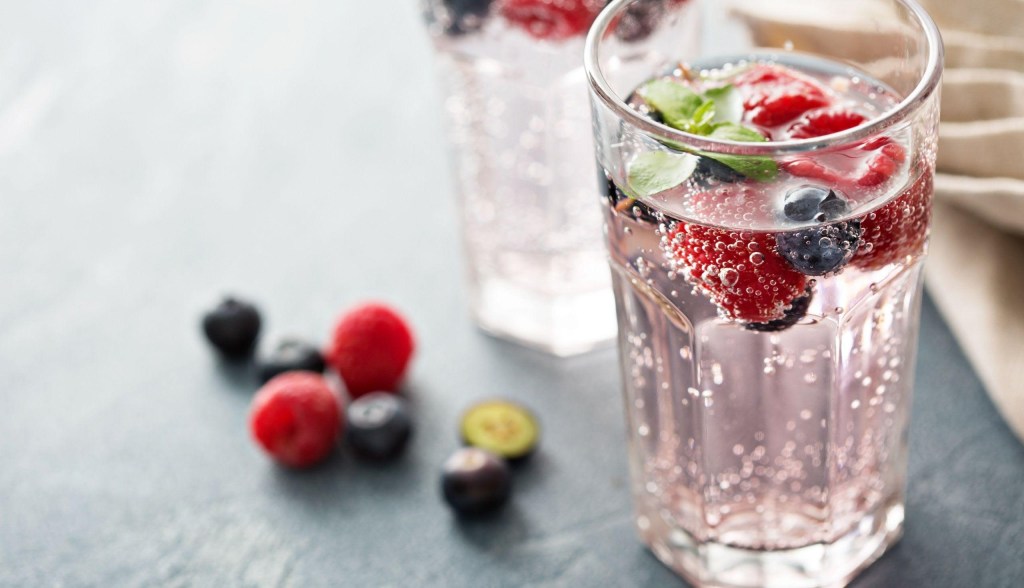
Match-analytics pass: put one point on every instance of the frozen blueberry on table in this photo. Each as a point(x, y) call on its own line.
point(475, 481)
point(291, 355)
point(379, 425)
point(232, 327)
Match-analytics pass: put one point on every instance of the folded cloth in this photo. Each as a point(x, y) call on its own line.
point(976, 260)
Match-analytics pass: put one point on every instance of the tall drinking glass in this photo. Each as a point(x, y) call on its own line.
point(767, 198)
point(519, 130)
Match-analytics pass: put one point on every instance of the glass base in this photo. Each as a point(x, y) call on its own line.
point(563, 325)
point(819, 565)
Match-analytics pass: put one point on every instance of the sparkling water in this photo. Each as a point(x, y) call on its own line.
point(752, 448)
point(519, 128)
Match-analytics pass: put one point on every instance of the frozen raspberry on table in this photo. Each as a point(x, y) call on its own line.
point(774, 95)
point(370, 349)
point(551, 20)
point(740, 271)
point(296, 419)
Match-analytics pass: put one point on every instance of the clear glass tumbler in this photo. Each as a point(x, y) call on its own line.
point(767, 185)
point(519, 130)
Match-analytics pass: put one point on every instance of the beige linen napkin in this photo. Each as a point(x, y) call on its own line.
point(976, 262)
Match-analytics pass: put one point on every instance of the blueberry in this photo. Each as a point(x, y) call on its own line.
point(291, 355)
point(232, 327)
point(822, 249)
point(817, 251)
point(379, 425)
point(465, 16)
point(475, 481)
point(623, 203)
point(796, 311)
point(806, 203)
point(711, 173)
point(640, 20)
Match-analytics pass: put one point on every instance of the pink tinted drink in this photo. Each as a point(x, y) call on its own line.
point(768, 311)
point(519, 130)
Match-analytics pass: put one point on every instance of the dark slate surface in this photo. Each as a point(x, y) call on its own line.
point(153, 155)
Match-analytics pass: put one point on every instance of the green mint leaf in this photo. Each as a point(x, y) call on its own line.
point(676, 103)
point(702, 119)
point(759, 168)
point(656, 171)
point(735, 132)
point(728, 104)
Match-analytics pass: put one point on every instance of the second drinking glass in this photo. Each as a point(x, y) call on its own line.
point(519, 128)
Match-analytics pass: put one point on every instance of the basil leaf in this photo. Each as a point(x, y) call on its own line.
point(656, 171)
point(676, 103)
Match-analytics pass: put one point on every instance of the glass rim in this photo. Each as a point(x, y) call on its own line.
point(925, 87)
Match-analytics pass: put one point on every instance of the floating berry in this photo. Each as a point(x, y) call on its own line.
point(379, 425)
point(817, 251)
point(296, 419)
point(551, 20)
point(807, 203)
point(370, 349)
point(825, 121)
point(291, 355)
point(232, 327)
point(774, 95)
point(710, 173)
point(882, 159)
point(501, 426)
point(794, 313)
point(475, 481)
point(899, 229)
point(742, 272)
point(624, 204)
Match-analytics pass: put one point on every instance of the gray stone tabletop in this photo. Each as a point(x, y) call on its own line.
point(154, 155)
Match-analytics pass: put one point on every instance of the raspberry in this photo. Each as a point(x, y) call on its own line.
point(740, 271)
point(296, 418)
point(551, 20)
point(876, 169)
point(774, 96)
point(897, 230)
point(371, 348)
point(824, 121)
